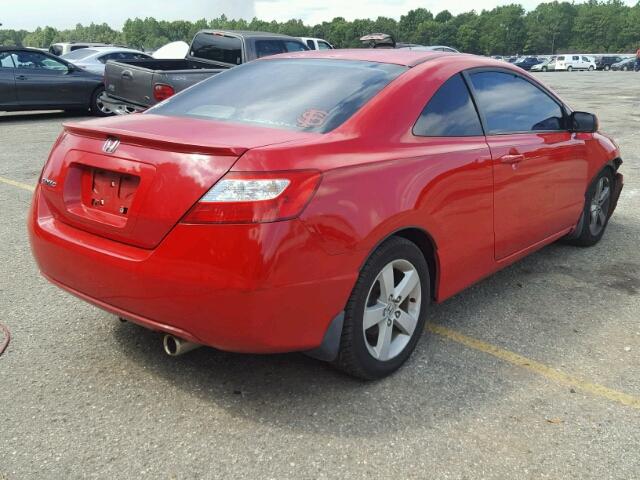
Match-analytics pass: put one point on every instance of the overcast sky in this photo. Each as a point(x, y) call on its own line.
point(29, 14)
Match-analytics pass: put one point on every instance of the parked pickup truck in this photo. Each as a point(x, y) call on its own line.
point(135, 85)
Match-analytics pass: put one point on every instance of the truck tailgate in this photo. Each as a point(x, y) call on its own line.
point(129, 82)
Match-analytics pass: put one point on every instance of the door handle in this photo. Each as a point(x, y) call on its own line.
point(21, 77)
point(127, 74)
point(511, 159)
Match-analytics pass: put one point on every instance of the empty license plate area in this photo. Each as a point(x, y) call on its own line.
point(107, 191)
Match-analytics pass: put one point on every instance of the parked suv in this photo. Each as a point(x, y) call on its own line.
point(605, 62)
point(574, 62)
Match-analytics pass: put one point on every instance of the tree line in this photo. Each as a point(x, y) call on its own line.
point(554, 27)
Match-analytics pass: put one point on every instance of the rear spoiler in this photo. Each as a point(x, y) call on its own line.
point(150, 140)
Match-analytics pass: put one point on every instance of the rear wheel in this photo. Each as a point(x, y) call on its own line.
point(591, 68)
point(595, 215)
point(98, 107)
point(544, 69)
point(385, 314)
point(569, 68)
point(607, 67)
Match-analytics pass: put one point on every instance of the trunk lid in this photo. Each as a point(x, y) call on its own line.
point(132, 178)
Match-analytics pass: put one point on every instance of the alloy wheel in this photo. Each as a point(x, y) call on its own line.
point(599, 208)
point(392, 310)
point(102, 106)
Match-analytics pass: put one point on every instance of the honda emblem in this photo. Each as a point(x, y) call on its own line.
point(110, 145)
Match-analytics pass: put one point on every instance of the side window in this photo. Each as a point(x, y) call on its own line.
point(5, 60)
point(311, 45)
point(294, 46)
point(39, 61)
point(576, 57)
point(324, 45)
point(512, 104)
point(585, 59)
point(449, 113)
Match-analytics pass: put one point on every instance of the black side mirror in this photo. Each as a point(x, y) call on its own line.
point(583, 122)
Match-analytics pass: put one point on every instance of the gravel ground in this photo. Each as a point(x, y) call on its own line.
point(85, 396)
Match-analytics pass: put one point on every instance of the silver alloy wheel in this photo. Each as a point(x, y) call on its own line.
point(101, 105)
point(392, 309)
point(599, 208)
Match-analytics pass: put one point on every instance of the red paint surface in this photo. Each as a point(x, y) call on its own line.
point(273, 287)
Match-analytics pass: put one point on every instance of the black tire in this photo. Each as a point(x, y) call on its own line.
point(569, 68)
point(96, 108)
point(586, 233)
point(591, 69)
point(354, 356)
point(544, 69)
point(607, 67)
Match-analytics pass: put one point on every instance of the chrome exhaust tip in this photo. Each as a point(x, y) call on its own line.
point(174, 346)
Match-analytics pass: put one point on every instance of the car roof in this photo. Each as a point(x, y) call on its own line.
point(21, 49)
point(247, 33)
point(397, 56)
point(102, 50)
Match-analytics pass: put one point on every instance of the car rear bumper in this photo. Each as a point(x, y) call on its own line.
point(246, 288)
point(120, 107)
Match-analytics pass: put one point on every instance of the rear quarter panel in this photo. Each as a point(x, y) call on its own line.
point(379, 178)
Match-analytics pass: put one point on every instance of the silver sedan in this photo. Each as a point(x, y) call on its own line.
point(94, 59)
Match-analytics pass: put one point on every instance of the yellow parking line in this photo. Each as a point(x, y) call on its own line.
point(536, 367)
point(13, 183)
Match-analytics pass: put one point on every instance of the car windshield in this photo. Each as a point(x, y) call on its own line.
point(79, 54)
point(311, 95)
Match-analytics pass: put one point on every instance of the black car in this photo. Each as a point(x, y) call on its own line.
point(627, 64)
point(527, 62)
point(31, 79)
point(605, 62)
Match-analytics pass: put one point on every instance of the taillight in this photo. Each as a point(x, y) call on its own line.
point(162, 91)
point(243, 197)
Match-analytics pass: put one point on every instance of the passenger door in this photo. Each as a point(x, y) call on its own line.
point(42, 81)
point(539, 168)
point(7, 80)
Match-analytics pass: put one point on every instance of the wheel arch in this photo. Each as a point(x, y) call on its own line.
point(427, 245)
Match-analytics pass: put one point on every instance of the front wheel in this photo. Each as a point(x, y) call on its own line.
point(595, 215)
point(569, 69)
point(98, 107)
point(607, 68)
point(544, 69)
point(591, 68)
point(385, 314)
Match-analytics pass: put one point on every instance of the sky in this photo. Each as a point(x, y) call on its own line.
point(29, 14)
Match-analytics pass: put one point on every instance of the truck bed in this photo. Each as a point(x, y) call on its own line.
point(133, 81)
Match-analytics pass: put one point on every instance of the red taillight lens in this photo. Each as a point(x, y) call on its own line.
point(248, 197)
point(162, 91)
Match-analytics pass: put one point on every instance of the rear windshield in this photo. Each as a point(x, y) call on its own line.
point(217, 47)
point(311, 95)
point(79, 54)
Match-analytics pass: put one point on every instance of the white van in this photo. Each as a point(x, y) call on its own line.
point(573, 61)
point(316, 43)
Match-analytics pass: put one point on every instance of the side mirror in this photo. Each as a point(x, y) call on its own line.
point(583, 122)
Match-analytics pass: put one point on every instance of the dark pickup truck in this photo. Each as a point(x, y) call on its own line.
point(135, 85)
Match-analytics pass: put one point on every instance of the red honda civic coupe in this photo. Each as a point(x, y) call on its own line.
point(318, 202)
